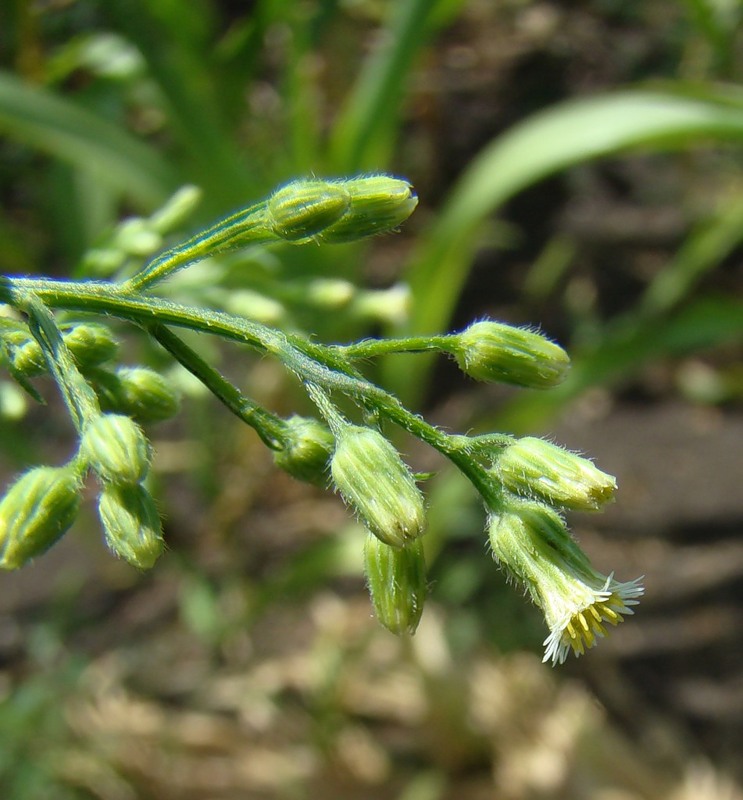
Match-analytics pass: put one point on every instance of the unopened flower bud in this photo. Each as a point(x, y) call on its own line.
point(137, 392)
point(374, 480)
point(537, 468)
point(531, 542)
point(492, 351)
point(131, 524)
point(90, 343)
point(137, 237)
point(396, 577)
point(303, 208)
point(37, 509)
point(116, 448)
point(307, 450)
point(379, 203)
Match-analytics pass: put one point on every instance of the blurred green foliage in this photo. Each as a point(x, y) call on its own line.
point(108, 106)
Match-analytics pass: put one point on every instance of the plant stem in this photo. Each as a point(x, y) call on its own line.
point(310, 362)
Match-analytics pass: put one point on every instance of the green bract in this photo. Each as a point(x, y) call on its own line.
point(115, 447)
point(377, 484)
point(545, 471)
point(131, 524)
point(37, 509)
point(308, 445)
point(304, 208)
point(492, 351)
point(378, 203)
point(396, 577)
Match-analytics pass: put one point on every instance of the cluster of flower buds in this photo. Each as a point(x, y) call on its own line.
point(377, 484)
point(530, 540)
point(116, 449)
point(43, 503)
point(339, 211)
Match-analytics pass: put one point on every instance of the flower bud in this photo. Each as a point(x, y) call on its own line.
point(492, 351)
point(90, 343)
point(374, 480)
point(37, 509)
point(303, 208)
point(379, 203)
point(396, 577)
point(307, 450)
point(116, 448)
point(534, 467)
point(26, 355)
point(531, 542)
point(138, 392)
point(131, 524)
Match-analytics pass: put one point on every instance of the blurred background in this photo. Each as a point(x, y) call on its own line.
point(580, 169)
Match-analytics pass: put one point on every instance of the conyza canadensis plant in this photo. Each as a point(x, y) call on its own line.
point(524, 483)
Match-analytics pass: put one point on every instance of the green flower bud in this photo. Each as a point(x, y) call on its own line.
point(37, 509)
point(90, 343)
point(532, 544)
point(491, 351)
point(374, 480)
point(137, 237)
point(131, 524)
point(379, 203)
point(545, 471)
point(137, 392)
point(26, 355)
point(308, 447)
point(396, 577)
point(116, 448)
point(303, 208)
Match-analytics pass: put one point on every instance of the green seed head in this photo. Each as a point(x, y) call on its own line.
point(115, 447)
point(491, 351)
point(131, 524)
point(303, 208)
point(542, 470)
point(137, 392)
point(308, 447)
point(36, 511)
point(90, 344)
point(396, 577)
point(374, 480)
point(379, 204)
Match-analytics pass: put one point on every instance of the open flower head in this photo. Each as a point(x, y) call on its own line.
point(532, 544)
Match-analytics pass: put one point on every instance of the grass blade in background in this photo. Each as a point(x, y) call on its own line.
point(573, 132)
point(60, 128)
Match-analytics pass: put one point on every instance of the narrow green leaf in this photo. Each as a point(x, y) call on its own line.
point(567, 134)
point(65, 130)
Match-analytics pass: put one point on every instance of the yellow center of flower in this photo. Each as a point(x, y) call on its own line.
point(584, 627)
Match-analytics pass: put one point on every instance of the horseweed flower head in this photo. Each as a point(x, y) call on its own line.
point(531, 542)
point(131, 524)
point(542, 470)
point(308, 446)
point(303, 208)
point(379, 203)
point(491, 351)
point(396, 577)
point(114, 446)
point(375, 481)
point(36, 511)
point(137, 392)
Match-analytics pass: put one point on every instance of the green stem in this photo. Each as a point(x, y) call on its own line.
point(244, 227)
point(310, 362)
point(78, 395)
point(369, 348)
point(268, 426)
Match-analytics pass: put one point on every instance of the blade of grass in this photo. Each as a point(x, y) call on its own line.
point(59, 127)
point(573, 132)
point(363, 131)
